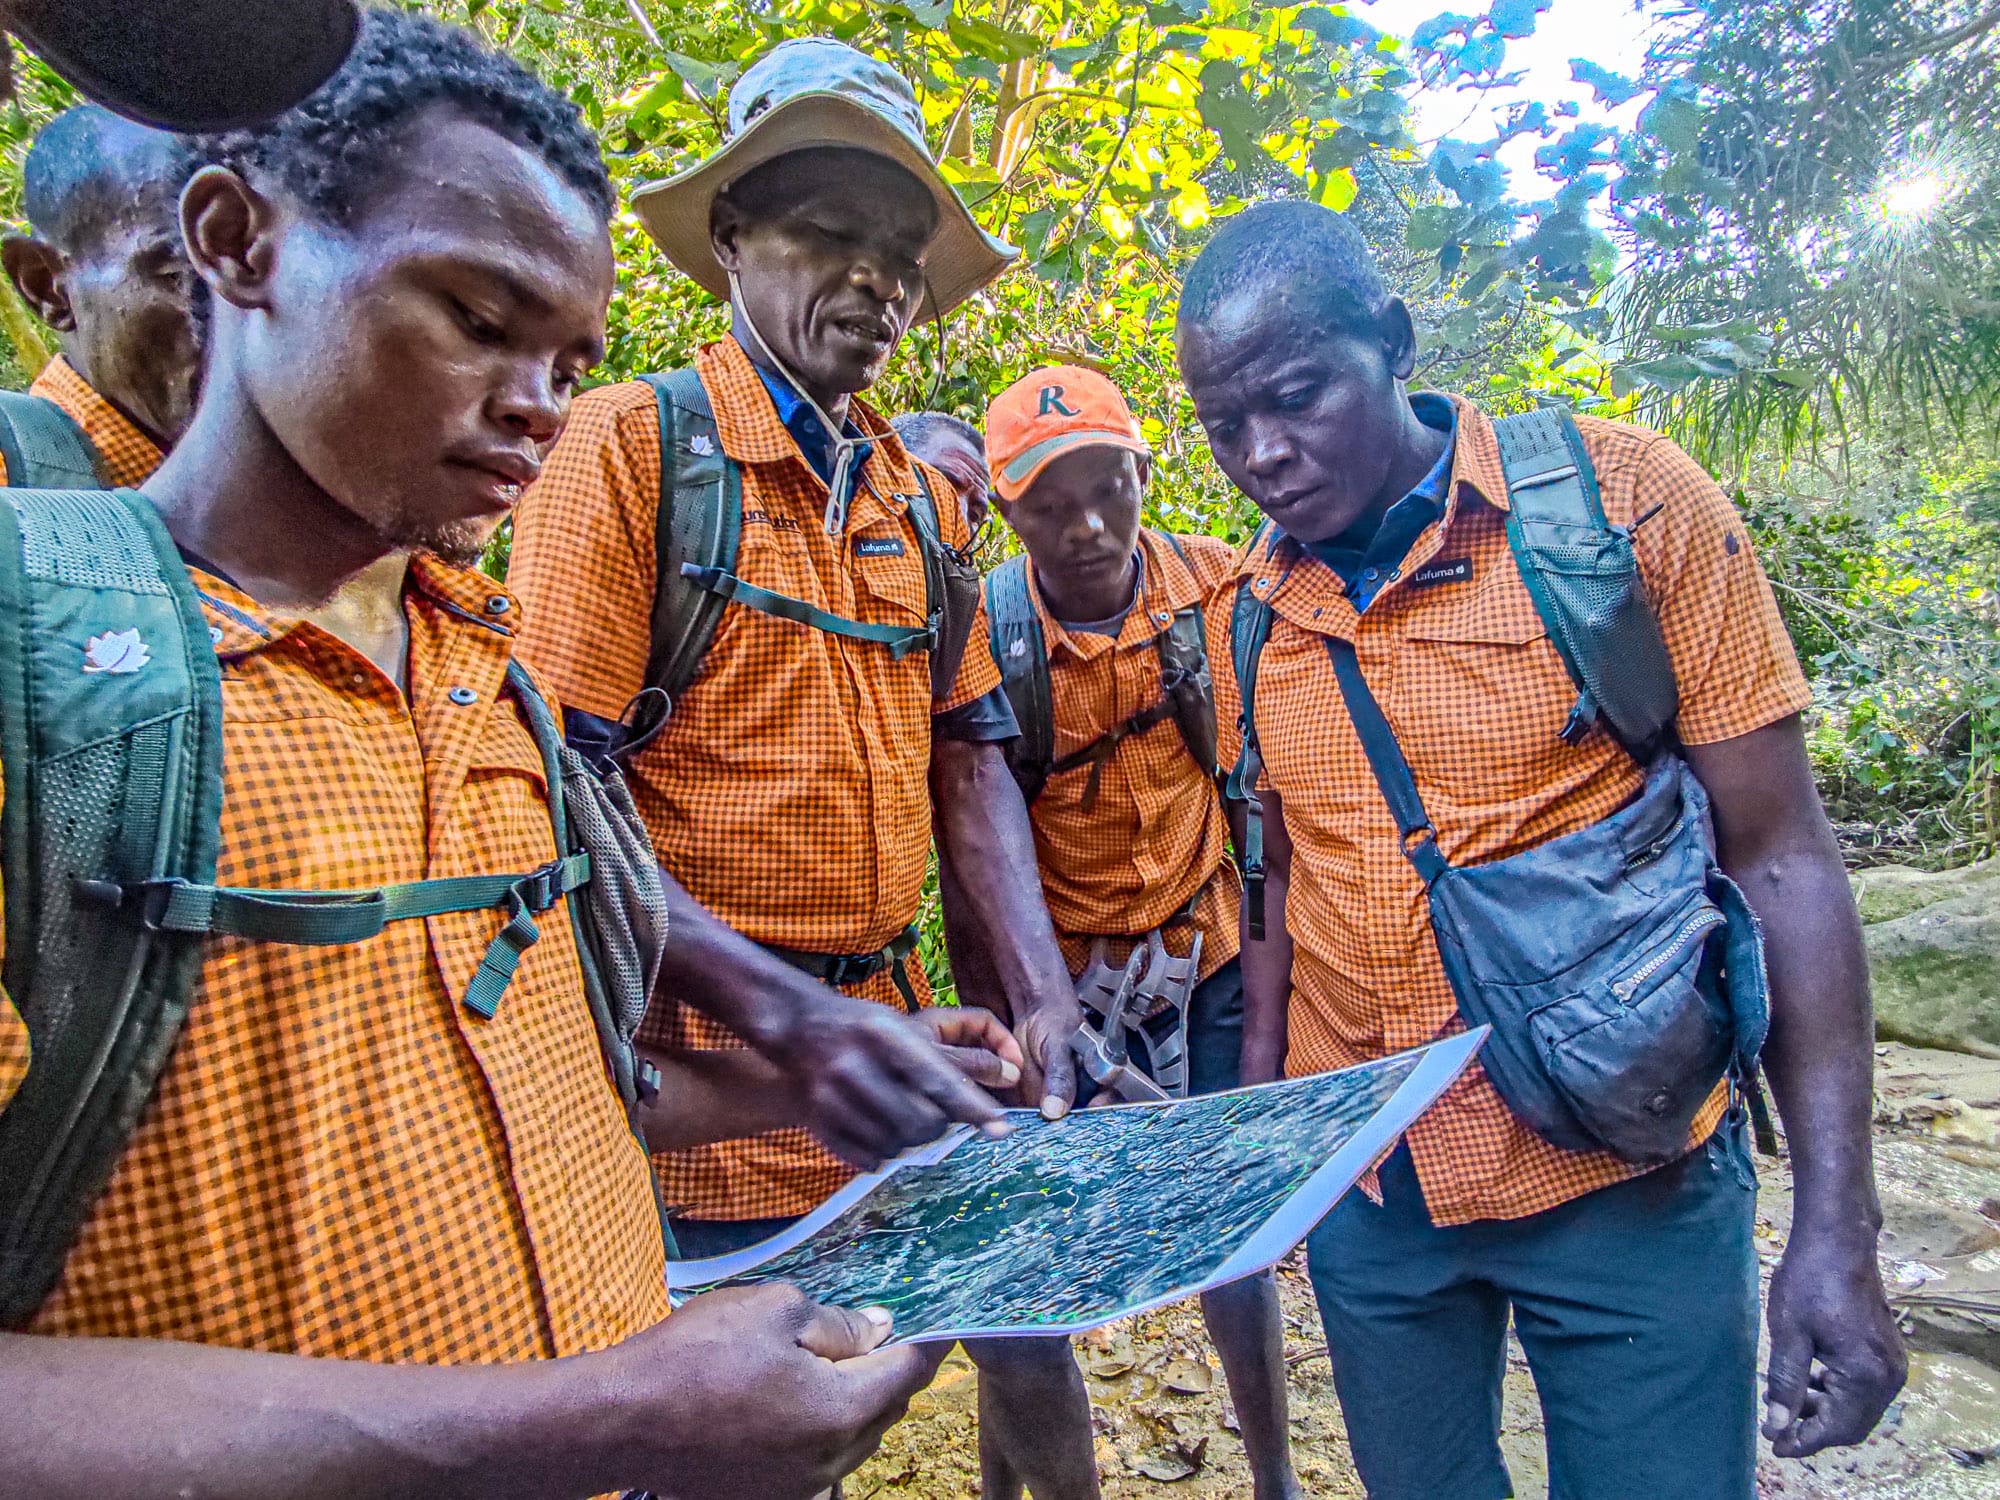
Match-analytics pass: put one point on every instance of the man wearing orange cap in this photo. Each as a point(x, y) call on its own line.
point(1112, 641)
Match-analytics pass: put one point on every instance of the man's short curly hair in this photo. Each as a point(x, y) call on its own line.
point(333, 150)
point(1286, 241)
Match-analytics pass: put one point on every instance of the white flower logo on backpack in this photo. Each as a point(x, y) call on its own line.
point(117, 653)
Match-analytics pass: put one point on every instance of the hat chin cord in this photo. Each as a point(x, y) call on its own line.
point(839, 487)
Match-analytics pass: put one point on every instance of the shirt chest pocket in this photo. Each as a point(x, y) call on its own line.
point(889, 583)
point(1480, 684)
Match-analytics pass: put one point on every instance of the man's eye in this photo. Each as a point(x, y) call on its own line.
point(483, 330)
point(1297, 398)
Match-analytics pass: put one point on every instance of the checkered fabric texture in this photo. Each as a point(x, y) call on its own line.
point(129, 455)
point(1156, 837)
point(129, 460)
point(1476, 693)
point(341, 1160)
point(789, 793)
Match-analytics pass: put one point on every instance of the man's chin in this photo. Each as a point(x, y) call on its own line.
point(461, 543)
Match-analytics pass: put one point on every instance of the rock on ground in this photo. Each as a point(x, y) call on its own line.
point(1165, 1430)
point(1934, 954)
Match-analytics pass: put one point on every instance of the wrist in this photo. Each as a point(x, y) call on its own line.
point(589, 1417)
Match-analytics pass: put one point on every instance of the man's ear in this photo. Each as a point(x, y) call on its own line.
point(725, 224)
point(231, 232)
point(1399, 339)
point(36, 268)
point(1143, 464)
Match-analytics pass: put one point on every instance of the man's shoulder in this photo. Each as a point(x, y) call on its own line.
point(619, 396)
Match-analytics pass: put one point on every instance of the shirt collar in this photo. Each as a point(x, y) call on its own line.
point(128, 455)
point(1166, 586)
point(239, 625)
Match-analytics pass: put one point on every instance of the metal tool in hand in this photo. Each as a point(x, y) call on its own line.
point(1151, 985)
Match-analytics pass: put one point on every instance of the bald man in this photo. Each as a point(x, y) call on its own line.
point(102, 266)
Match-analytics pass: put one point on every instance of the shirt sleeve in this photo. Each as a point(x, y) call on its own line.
point(1732, 656)
point(583, 563)
point(13, 1040)
point(978, 675)
point(986, 720)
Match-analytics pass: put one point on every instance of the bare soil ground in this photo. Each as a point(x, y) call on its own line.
point(1165, 1430)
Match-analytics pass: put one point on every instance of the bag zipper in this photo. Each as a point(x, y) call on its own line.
point(1700, 922)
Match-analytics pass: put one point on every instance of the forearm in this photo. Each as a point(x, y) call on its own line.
point(721, 973)
point(713, 1096)
point(971, 965)
point(1820, 1056)
point(983, 831)
point(132, 1418)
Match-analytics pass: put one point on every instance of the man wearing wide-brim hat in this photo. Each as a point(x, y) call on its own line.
point(802, 701)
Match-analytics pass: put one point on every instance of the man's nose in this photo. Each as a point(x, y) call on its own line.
point(531, 405)
point(881, 279)
point(1267, 447)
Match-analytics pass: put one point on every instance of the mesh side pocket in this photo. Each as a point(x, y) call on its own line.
point(1608, 632)
point(86, 539)
point(71, 940)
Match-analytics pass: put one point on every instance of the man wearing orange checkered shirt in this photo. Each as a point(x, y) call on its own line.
point(1131, 838)
point(102, 266)
point(367, 1236)
point(793, 787)
point(1633, 1291)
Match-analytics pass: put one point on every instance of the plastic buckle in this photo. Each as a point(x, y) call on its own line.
point(853, 968)
point(543, 888)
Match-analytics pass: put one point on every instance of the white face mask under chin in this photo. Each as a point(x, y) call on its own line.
point(846, 450)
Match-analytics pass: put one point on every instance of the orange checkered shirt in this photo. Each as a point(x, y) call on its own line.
point(129, 456)
point(1477, 693)
point(789, 793)
point(1156, 839)
point(340, 1160)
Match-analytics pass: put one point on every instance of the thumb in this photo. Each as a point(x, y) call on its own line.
point(1785, 1383)
point(838, 1333)
point(1058, 1081)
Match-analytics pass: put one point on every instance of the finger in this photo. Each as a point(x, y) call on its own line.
point(1785, 1383)
point(868, 1103)
point(1058, 1081)
point(987, 1069)
point(969, 1026)
point(842, 1334)
point(937, 1078)
point(1846, 1407)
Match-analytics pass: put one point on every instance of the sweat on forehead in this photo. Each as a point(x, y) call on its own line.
point(335, 148)
point(89, 166)
point(1302, 256)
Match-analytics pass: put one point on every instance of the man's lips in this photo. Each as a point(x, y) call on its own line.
point(869, 330)
point(505, 474)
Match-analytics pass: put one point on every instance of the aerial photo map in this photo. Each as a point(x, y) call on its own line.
point(1067, 1225)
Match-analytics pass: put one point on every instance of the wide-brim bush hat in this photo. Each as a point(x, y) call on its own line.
point(818, 92)
point(189, 64)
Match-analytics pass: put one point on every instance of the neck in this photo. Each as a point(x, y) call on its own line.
point(831, 403)
point(1418, 449)
point(230, 492)
point(367, 613)
point(1082, 604)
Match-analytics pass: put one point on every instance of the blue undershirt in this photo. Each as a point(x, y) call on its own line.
point(1366, 559)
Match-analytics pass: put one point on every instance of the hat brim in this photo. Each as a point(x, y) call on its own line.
point(962, 257)
point(1012, 479)
point(191, 65)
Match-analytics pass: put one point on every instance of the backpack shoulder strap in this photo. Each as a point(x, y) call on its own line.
point(700, 525)
point(1023, 658)
point(1583, 576)
point(1249, 630)
point(111, 735)
point(1185, 677)
point(43, 447)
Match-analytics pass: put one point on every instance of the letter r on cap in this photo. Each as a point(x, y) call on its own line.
point(1052, 400)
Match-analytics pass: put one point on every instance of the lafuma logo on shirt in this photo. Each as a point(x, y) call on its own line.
point(879, 546)
point(1458, 570)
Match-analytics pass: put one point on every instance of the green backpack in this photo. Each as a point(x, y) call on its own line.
point(1583, 576)
point(698, 532)
point(111, 743)
point(1187, 687)
point(43, 447)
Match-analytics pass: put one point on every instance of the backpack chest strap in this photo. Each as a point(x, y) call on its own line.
point(336, 918)
point(901, 640)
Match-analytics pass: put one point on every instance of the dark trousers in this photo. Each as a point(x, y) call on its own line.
point(1636, 1306)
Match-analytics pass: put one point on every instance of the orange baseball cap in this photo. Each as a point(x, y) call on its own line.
point(1042, 416)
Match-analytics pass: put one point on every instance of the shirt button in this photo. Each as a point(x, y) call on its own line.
point(1163, 617)
point(215, 635)
point(1394, 574)
point(499, 604)
point(358, 680)
point(1371, 573)
point(463, 696)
